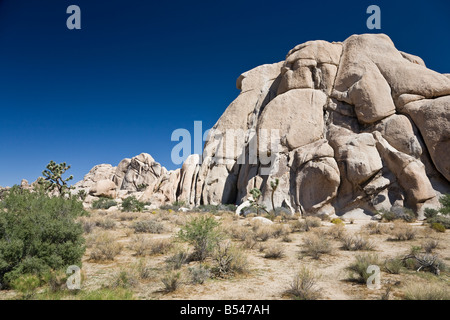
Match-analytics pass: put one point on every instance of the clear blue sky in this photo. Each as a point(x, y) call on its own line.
point(137, 70)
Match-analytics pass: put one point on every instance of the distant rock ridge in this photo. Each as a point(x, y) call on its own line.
point(361, 125)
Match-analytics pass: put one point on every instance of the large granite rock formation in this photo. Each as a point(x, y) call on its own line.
point(342, 125)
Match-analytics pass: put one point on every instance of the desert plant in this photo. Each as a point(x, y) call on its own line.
point(358, 268)
point(280, 230)
point(140, 245)
point(393, 265)
point(316, 245)
point(337, 231)
point(430, 291)
point(439, 227)
point(275, 251)
point(199, 274)
point(124, 279)
point(264, 233)
point(229, 260)
point(337, 221)
point(356, 242)
point(88, 225)
point(148, 226)
point(131, 204)
point(38, 233)
point(171, 281)
point(107, 294)
point(201, 232)
point(274, 185)
point(103, 203)
point(177, 260)
point(304, 286)
point(312, 222)
point(141, 187)
point(376, 228)
point(401, 231)
point(429, 245)
point(104, 247)
point(107, 224)
point(53, 177)
point(256, 194)
point(143, 271)
point(26, 285)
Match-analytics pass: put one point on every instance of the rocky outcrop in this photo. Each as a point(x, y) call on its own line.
point(344, 126)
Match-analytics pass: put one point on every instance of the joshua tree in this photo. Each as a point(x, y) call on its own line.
point(53, 177)
point(256, 194)
point(274, 186)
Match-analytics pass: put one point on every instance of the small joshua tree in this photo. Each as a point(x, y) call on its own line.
point(53, 177)
point(274, 186)
point(256, 194)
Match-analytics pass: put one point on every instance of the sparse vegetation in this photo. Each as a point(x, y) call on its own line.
point(358, 269)
point(304, 286)
point(356, 242)
point(402, 231)
point(274, 251)
point(103, 203)
point(148, 226)
point(431, 291)
point(131, 204)
point(316, 245)
point(103, 247)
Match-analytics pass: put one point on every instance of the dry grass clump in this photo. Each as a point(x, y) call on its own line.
point(106, 223)
point(263, 233)
point(315, 245)
point(376, 228)
point(126, 216)
point(199, 274)
point(237, 232)
point(304, 286)
point(358, 268)
point(280, 230)
point(249, 241)
point(337, 231)
point(312, 222)
point(274, 251)
point(356, 242)
point(124, 279)
point(429, 291)
point(171, 281)
point(429, 245)
point(87, 224)
point(229, 260)
point(143, 246)
point(402, 231)
point(148, 226)
point(104, 247)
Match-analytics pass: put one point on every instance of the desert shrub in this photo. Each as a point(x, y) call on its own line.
point(304, 286)
point(103, 203)
point(199, 274)
point(402, 231)
point(126, 216)
point(107, 224)
point(203, 233)
point(297, 225)
point(131, 204)
point(312, 222)
point(38, 233)
point(429, 291)
point(429, 245)
point(358, 268)
point(104, 247)
point(148, 226)
point(249, 241)
point(140, 245)
point(88, 225)
point(430, 213)
point(398, 213)
point(394, 265)
point(315, 245)
point(337, 221)
point(177, 260)
point(337, 231)
point(143, 271)
point(286, 238)
point(171, 281)
point(56, 280)
point(27, 285)
point(160, 246)
point(238, 232)
point(141, 187)
point(424, 261)
point(264, 233)
point(124, 279)
point(280, 230)
point(356, 242)
point(275, 251)
point(229, 260)
point(439, 227)
point(376, 228)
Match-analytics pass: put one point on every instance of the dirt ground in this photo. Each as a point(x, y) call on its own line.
point(266, 279)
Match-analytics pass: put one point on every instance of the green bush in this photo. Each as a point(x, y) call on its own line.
point(38, 233)
point(131, 204)
point(202, 232)
point(443, 220)
point(439, 227)
point(358, 269)
point(103, 203)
